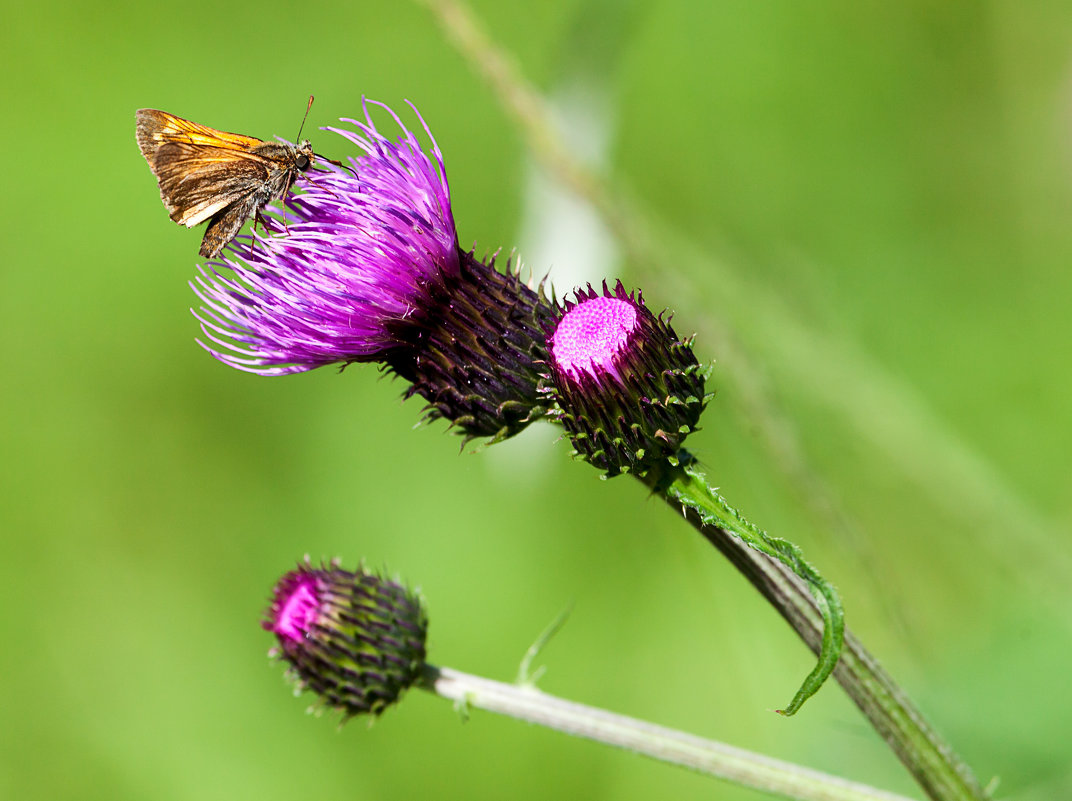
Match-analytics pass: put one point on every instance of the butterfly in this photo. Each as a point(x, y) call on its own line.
point(225, 178)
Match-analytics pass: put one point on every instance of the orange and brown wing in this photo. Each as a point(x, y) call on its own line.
point(200, 170)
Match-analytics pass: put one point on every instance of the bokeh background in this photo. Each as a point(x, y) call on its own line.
point(861, 209)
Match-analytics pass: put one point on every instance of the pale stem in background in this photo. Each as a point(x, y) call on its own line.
point(667, 745)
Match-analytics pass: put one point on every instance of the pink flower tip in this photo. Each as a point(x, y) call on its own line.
point(591, 334)
point(294, 611)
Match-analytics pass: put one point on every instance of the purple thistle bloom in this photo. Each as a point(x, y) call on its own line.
point(355, 639)
point(353, 262)
point(625, 387)
point(365, 267)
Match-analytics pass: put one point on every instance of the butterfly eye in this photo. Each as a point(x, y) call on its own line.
point(302, 162)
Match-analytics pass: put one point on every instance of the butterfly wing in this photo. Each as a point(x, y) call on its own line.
point(226, 224)
point(200, 170)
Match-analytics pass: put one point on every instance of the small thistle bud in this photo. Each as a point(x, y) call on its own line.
point(628, 390)
point(355, 639)
point(364, 266)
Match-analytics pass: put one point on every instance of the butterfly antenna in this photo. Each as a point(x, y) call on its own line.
point(300, 127)
point(325, 158)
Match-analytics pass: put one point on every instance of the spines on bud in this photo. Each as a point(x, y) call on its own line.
point(356, 639)
point(627, 389)
point(475, 350)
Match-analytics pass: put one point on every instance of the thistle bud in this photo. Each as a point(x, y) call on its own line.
point(627, 389)
point(355, 639)
point(475, 351)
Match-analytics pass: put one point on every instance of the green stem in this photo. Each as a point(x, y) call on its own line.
point(667, 745)
point(933, 763)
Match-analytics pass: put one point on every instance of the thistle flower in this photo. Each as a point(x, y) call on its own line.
point(366, 267)
point(355, 639)
point(628, 390)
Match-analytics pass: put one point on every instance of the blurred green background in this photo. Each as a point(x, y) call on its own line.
point(863, 211)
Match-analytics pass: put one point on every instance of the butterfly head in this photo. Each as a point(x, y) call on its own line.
point(303, 155)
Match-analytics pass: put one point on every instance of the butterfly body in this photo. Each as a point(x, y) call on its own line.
point(225, 178)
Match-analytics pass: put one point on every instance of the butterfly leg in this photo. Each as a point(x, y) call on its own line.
point(317, 184)
point(286, 228)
